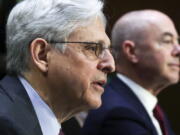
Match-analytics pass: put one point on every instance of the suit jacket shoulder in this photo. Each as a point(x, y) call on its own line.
point(17, 115)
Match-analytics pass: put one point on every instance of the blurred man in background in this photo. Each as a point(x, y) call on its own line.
point(146, 50)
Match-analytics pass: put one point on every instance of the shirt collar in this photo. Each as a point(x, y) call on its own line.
point(47, 119)
point(148, 100)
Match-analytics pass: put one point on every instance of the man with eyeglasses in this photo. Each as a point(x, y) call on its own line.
point(146, 51)
point(58, 58)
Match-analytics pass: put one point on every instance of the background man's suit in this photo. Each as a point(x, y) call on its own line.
point(17, 115)
point(121, 113)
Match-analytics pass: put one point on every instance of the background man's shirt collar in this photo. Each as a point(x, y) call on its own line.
point(147, 99)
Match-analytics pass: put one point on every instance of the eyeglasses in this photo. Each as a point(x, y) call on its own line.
point(91, 49)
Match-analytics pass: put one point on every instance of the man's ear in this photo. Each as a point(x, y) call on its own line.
point(129, 50)
point(39, 52)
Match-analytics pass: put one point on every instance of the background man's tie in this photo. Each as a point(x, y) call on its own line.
point(159, 115)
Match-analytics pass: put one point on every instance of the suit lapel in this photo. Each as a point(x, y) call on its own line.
point(123, 90)
point(22, 108)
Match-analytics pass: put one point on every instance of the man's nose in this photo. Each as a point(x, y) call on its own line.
point(176, 50)
point(106, 63)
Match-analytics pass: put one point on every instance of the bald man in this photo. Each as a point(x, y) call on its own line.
point(146, 51)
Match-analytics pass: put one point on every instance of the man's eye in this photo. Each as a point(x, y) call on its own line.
point(168, 41)
point(91, 47)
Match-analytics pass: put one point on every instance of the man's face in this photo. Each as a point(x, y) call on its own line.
point(77, 76)
point(159, 54)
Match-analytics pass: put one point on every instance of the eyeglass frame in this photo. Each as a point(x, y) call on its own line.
point(102, 49)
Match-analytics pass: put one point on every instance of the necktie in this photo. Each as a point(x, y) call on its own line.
point(71, 127)
point(61, 132)
point(159, 115)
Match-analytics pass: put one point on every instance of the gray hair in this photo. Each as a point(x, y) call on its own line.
point(47, 19)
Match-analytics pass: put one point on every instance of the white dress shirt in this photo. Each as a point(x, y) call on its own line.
point(47, 119)
point(148, 100)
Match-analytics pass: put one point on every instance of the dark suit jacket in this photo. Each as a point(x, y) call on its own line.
point(71, 127)
point(121, 113)
point(17, 115)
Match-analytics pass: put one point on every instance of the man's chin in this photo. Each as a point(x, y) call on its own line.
point(174, 79)
point(95, 104)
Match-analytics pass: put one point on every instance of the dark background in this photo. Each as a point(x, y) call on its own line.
point(168, 98)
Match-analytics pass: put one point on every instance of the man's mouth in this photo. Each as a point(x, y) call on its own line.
point(101, 83)
point(175, 65)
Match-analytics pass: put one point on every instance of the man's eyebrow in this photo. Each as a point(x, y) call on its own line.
point(170, 35)
point(102, 42)
point(167, 34)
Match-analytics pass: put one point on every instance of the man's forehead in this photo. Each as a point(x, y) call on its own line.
point(92, 32)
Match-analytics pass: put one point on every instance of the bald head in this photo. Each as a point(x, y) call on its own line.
point(144, 47)
point(136, 26)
